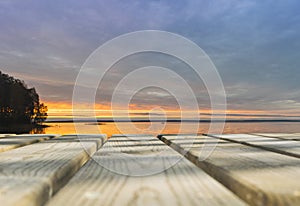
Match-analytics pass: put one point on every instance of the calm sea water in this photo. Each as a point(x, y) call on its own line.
point(168, 128)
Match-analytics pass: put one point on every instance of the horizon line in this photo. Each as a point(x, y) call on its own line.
point(110, 120)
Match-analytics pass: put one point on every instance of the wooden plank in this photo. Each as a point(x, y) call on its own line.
point(12, 142)
point(277, 134)
point(182, 184)
point(286, 147)
point(43, 168)
point(6, 135)
point(287, 136)
point(257, 176)
point(23, 191)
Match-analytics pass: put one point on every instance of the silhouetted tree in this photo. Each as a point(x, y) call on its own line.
point(18, 103)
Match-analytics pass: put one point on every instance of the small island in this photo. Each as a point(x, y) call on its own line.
point(20, 107)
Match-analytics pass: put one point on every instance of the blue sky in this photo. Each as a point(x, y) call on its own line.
point(255, 45)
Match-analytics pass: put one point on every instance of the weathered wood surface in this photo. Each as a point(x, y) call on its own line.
point(258, 176)
point(30, 175)
point(12, 142)
point(287, 147)
point(182, 184)
point(262, 169)
point(287, 136)
point(6, 135)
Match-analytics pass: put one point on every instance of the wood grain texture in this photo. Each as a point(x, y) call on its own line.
point(12, 142)
point(286, 147)
point(42, 168)
point(23, 191)
point(257, 176)
point(285, 136)
point(182, 184)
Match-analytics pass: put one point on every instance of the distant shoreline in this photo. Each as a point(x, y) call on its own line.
point(175, 120)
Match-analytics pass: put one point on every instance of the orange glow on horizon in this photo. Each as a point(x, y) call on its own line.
point(64, 109)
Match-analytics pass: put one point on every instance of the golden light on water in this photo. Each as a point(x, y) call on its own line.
point(59, 112)
point(65, 109)
point(170, 128)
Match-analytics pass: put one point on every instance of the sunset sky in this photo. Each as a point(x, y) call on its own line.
point(255, 46)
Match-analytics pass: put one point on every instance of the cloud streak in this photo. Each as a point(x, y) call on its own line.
point(254, 45)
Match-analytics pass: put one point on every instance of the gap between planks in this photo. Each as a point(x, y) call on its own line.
point(43, 168)
point(9, 142)
point(100, 181)
point(284, 136)
point(257, 176)
point(281, 146)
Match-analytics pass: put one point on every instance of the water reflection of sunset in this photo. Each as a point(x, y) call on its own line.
point(61, 110)
point(170, 128)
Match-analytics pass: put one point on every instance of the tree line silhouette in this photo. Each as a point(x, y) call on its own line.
point(18, 103)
